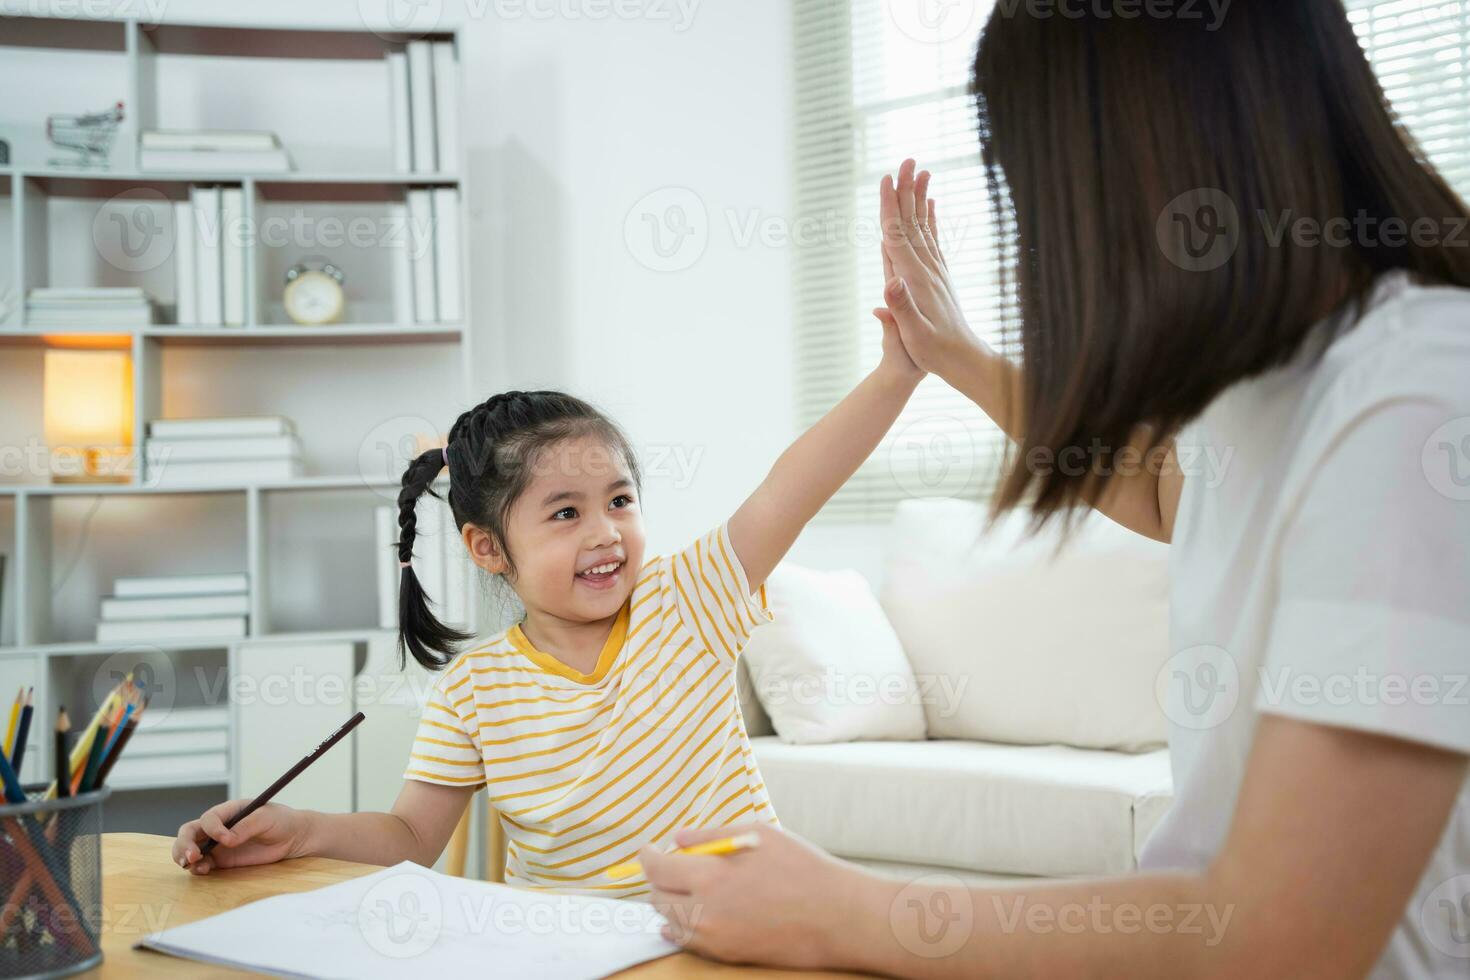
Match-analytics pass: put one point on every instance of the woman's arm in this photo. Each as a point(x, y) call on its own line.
point(1315, 874)
point(814, 466)
point(924, 306)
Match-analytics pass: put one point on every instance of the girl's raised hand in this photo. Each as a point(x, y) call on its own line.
point(921, 301)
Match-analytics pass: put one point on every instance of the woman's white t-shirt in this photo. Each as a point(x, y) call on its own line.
point(1320, 569)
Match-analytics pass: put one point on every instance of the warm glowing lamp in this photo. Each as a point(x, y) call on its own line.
point(89, 415)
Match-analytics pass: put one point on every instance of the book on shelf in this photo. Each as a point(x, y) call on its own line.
point(136, 769)
point(243, 141)
point(229, 471)
point(148, 742)
point(446, 105)
point(187, 718)
point(119, 608)
point(209, 287)
point(186, 274)
point(212, 152)
point(400, 119)
point(421, 254)
point(100, 306)
point(421, 105)
point(95, 294)
point(138, 586)
point(152, 630)
point(221, 428)
point(159, 450)
point(232, 255)
point(446, 255)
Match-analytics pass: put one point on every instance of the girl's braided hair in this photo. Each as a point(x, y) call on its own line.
point(492, 452)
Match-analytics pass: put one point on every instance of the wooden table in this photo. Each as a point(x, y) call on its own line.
point(143, 891)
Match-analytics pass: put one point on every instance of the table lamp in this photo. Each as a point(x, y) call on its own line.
point(89, 415)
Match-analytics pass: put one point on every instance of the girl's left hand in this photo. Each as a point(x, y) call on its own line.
point(778, 904)
point(896, 359)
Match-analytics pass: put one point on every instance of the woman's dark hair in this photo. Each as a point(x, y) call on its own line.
point(493, 449)
point(1141, 169)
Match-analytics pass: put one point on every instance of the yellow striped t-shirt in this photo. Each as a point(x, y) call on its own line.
point(585, 769)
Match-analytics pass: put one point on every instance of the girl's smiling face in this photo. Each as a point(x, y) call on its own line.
point(576, 532)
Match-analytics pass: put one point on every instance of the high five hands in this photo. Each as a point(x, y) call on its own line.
point(921, 305)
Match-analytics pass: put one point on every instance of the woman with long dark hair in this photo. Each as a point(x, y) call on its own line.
point(1218, 239)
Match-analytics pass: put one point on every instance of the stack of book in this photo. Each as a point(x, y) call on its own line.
point(180, 744)
point(440, 561)
point(211, 152)
point(221, 451)
point(88, 306)
point(423, 93)
point(209, 257)
point(173, 607)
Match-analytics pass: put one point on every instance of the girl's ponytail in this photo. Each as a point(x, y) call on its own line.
point(420, 632)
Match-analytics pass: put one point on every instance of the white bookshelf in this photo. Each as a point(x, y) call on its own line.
point(335, 382)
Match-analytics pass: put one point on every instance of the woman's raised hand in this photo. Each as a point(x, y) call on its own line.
point(921, 300)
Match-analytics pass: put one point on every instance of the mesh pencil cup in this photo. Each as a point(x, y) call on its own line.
point(51, 884)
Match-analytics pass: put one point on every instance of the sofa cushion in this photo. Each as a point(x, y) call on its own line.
point(828, 667)
point(1034, 645)
point(1047, 810)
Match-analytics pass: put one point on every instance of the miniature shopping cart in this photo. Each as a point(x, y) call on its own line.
point(90, 135)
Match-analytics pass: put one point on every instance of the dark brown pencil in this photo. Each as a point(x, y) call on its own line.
point(63, 753)
point(286, 777)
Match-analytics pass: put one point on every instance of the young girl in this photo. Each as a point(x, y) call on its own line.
point(607, 718)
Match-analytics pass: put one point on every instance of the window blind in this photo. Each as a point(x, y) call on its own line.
point(876, 82)
point(1420, 50)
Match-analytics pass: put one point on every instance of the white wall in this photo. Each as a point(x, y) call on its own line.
point(580, 120)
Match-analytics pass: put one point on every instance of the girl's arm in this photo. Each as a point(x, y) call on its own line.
point(821, 460)
point(924, 306)
point(417, 829)
point(421, 822)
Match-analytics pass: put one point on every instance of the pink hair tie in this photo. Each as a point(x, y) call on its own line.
point(446, 454)
point(403, 564)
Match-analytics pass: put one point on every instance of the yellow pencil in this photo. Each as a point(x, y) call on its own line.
point(725, 845)
point(14, 720)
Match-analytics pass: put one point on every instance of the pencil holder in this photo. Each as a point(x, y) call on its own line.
point(51, 884)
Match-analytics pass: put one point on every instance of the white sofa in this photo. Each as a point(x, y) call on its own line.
point(1056, 648)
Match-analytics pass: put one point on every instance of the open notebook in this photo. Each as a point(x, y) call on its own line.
point(408, 917)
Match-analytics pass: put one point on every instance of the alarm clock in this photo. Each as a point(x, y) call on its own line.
point(314, 293)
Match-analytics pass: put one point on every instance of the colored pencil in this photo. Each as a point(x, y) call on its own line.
point(14, 720)
point(725, 845)
point(121, 742)
point(94, 759)
point(10, 782)
point(286, 777)
point(18, 754)
point(63, 771)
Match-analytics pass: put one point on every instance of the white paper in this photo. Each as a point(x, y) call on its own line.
point(410, 921)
